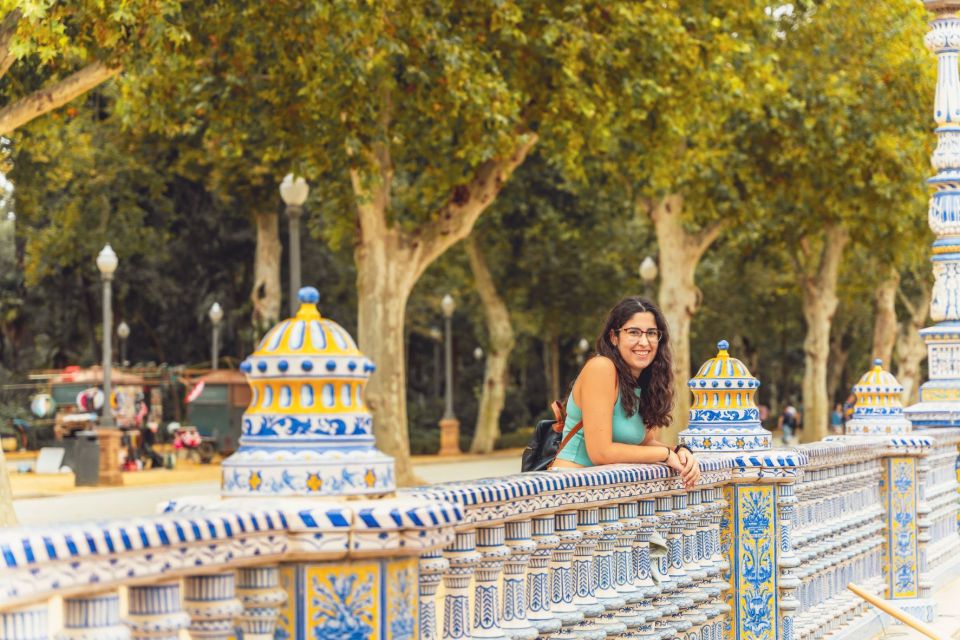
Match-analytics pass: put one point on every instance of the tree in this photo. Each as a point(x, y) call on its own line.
point(54, 52)
point(840, 168)
point(498, 351)
point(682, 154)
point(414, 116)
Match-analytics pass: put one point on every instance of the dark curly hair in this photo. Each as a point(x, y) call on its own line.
point(656, 381)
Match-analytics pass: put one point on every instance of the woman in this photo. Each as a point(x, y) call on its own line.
point(624, 396)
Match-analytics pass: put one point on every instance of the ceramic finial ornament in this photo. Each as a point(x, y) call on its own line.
point(879, 408)
point(724, 415)
point(307, 431)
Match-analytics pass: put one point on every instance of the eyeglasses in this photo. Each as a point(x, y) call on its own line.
point(634, 334)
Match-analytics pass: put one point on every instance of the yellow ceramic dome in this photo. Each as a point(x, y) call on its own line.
point(307, 430)
point(724, 416)
point(879, 407)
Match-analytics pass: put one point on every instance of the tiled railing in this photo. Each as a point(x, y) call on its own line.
point(763, 547)
point(838, 534)
point(572, 551)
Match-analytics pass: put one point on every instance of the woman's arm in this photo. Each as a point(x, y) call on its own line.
point(690, 472)
point(597, 390)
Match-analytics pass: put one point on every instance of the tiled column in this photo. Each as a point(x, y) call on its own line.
point(720, 557)
point(788, 561)
point(905, 528)
point(29, 623)
point(539, 612)
point(561, 574)
point(604, 572)
point(664, 603)
point(624, 577)
point(520, 541)
point(584, 587)
point(642, 569)
point(89, 617)
point(155, 612)
point(258, 589)
point(680, 571)
point(486, 594)
point(463, 558)
point(432, 567)
point(213, 606)
point(758, 540)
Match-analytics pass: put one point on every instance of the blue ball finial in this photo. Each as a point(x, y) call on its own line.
point(723, 345)
point(878, 362)
point(309, 295)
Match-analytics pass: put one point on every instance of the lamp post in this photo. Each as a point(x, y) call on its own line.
point(216, 315)
point(123, 332)
point(449, 425)
point(648, 273)
point(478, 354)
point(437, 336)
point(107, 435)
point(294, 191)
point(107, 264)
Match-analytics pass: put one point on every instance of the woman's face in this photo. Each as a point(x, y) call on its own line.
point(637, 341)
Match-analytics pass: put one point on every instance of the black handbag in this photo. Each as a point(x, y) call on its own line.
point(547, 441)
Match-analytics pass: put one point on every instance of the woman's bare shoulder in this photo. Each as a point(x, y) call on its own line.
point(600, 366)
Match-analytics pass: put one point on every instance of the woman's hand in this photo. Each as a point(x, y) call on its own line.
point(690, 468)
point(673, 461)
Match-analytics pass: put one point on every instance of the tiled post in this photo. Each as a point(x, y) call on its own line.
point(258, 589)
point(486, 598)
point(788, 561)
point(463, 558)
point(539, 612)
point(519, 538)
point(561, 576)
point(432, 567)
point(98, 616)
point(724, 418)
point(604, 572)
point(212, 604)
point(29, 623)
point(904, 539)
point(155, 612)
point(624, 578)
point(584, 585)
point(661, 568)
point(642, 568)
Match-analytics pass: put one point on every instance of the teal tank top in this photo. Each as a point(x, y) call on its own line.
point(625, 430)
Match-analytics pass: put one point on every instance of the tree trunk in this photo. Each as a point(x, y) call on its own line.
point(389, 263)
point(911, 349)
point(266, 273)
point(551, 366)
point(679, 298)
point(498, 354)
point(839, 353)
point(885, 318)
point(8, 517)
point(819, 286)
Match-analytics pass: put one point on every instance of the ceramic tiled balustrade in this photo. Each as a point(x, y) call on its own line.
point(761, 548)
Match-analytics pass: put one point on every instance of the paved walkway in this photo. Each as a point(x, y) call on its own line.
point(50, 499)
point(947, 624)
